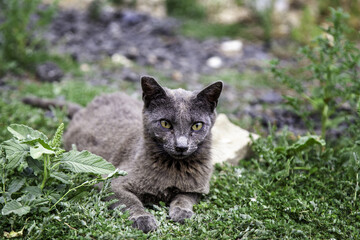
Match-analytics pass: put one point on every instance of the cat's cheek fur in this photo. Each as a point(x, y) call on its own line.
point(161, 138)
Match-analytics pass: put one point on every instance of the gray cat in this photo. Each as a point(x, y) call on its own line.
point(163, 145)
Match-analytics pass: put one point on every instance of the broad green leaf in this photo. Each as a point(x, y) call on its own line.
point(16, 208)
point(36, 141)
point(23, 132)
point(28, 198)
point(305, 142)
point(44, 209)
point(62, 177)
point(16, 184)
point(81, 162)
point(39, 202)
point(54, 197)
point(34, 190)
point(38, 150)
point(301, 144)
point(35, 165)
point(15, 153)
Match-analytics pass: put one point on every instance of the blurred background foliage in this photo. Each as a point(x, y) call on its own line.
point(267, 21)
point(297, 20)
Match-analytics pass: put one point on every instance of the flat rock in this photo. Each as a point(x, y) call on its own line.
point(230, 142)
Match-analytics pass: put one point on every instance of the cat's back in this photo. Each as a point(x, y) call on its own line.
point(108, 124)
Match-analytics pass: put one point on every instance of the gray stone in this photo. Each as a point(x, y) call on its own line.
point(230, 142)
point(49, 72)
point(214, 62)
point(231, 47)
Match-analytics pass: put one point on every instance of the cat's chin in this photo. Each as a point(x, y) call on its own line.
point(179, 156)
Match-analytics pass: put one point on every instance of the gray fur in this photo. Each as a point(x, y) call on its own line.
point(170, 165)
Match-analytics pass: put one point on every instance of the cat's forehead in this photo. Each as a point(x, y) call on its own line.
point(181, 100)
point(179, 94)
point(179, 107)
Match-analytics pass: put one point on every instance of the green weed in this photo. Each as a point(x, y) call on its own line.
point(20, 49)
point(329, 81)
point(36, 174)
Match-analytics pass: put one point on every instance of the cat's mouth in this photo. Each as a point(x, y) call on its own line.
point(179, 155)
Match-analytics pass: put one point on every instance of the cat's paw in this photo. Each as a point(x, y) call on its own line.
point(145, 223)
point(178, 214)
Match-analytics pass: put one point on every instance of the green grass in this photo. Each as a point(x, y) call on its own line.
point(241, 81)
point(244, 203)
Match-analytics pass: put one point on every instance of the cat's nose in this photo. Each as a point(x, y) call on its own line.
point(181, 149)
point(181, 144)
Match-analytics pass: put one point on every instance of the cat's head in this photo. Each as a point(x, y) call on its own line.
point(178, 121)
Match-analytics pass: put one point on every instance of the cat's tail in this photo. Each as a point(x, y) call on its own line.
point(71, 108)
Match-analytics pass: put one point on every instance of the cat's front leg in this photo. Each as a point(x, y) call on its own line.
point(142, 220)
point(181, 206)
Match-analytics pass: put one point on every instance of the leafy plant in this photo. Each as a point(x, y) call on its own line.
point(329, 80)
point(36, 174)
point(281, 156)
point(19, 47)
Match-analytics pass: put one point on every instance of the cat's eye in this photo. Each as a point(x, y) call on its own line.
point(197, 126)
point(165, 124)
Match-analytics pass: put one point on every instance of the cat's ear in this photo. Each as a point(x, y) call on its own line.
point(211, 94)
point(151, 90)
